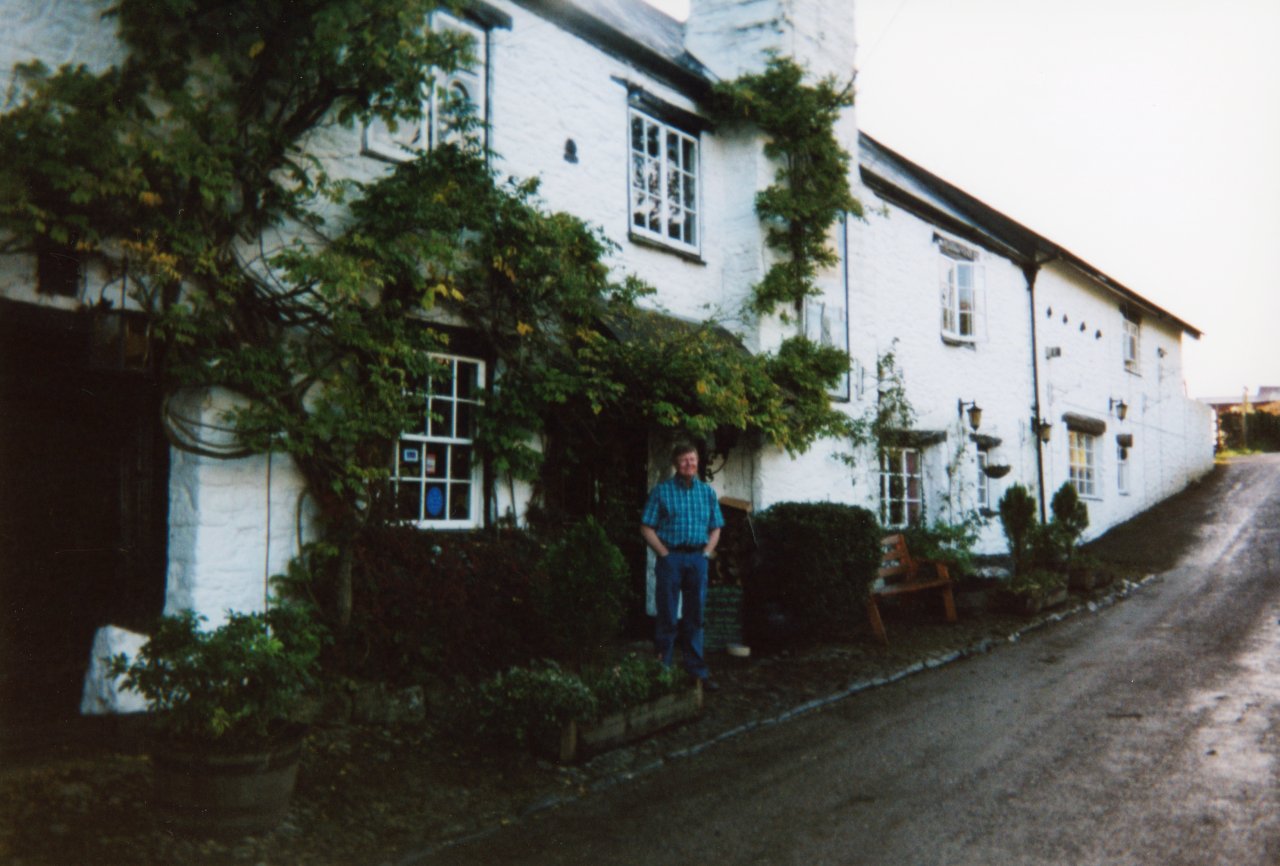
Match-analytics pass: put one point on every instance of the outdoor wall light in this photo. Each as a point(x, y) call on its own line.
point(1042, 428)
point(975, 412)
point(1121, 408)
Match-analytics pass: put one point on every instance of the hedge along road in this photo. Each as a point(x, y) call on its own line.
point(1144, 735)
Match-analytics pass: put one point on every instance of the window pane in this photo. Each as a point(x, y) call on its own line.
point(466, 420)
point(409, 502)
point(441, 418)
point(460, 502)
point(460, 463)
point(467, 380)
point(637, 134)
point(434, 459)
point(434, 502)
point(410, 465)
point(651, 141)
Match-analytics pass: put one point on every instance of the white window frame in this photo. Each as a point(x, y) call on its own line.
point(1131, 345)
point(1122, 470)
point(983, 489)
point(960, 281)
point(424, 465)
point(901, 486)
point(1082, 462)
point(664, 192)
point(432, 127)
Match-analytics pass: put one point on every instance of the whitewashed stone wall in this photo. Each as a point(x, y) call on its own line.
point(1081, 326)
point(233, 524)
point(895, 262)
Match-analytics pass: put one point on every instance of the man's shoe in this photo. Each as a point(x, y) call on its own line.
point(710, 685)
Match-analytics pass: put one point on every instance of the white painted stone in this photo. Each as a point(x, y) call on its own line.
point(103, 694)
point(234, 523)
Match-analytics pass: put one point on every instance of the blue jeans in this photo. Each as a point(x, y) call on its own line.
point(681, 577)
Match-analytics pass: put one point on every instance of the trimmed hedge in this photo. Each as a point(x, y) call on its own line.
point(442, 603)
point(817, 560)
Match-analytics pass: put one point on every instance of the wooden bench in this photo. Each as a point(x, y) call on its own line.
point(900, 573)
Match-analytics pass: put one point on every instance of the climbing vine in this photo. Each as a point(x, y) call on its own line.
point(186, 174)
point(811, 188)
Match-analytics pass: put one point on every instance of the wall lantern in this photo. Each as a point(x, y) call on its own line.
point(1042, 428)
point(975, 412)
point(1121, 408)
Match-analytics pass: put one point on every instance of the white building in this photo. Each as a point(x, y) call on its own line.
point(974, 308)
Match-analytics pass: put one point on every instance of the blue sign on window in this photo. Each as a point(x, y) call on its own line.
point(435, 502)
point(410, 455)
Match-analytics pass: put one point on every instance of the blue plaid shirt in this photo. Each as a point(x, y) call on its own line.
point(682, 515)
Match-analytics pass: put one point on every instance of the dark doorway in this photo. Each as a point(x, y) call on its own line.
point(83, 507)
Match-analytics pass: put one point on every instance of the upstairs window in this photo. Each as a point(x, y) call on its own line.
point(960, 277)
point(901, 487)
point(1131, 344)
point(664, 193)
point(454, 102)
point(1082, 461)
point(1122, 470)
point(436, 477)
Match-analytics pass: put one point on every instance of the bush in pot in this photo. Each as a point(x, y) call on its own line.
point(225, 706)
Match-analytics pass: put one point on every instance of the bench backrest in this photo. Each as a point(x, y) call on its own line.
point(896, 562)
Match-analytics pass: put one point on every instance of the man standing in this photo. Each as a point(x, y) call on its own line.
point(681, 524)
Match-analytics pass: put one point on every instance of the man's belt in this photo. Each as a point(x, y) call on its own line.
point(685, 548)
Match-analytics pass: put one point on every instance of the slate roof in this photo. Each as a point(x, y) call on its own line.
point(634, 30)
point(901, 181)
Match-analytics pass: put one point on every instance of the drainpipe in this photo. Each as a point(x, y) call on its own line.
point(1030, 270)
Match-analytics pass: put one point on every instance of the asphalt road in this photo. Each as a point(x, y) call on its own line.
point(1146, 734)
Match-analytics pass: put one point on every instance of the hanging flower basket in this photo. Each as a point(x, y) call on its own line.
point(998, 470)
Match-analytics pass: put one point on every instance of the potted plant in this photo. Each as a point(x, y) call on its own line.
point(225, 706)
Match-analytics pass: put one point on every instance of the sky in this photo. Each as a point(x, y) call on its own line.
point(1141, 135)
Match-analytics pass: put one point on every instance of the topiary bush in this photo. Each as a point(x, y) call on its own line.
point(1018, 519)
point(817, 560)
point(583, 599)
point(1070, 519)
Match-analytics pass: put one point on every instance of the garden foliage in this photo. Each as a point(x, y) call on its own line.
point(817, 560)
point(183, 175)
point(238, 684)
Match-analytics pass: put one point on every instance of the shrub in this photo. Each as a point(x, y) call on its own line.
point(1070, 518)
point(1037, 582)
point(633, 681)
point(441, 603)
point(1018, 519)
point(817, 561)
point(522, 705)
point(238, 684)
point(583, 599)
point(945, 542)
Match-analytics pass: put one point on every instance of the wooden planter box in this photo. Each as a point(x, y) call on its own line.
point(577, 740)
